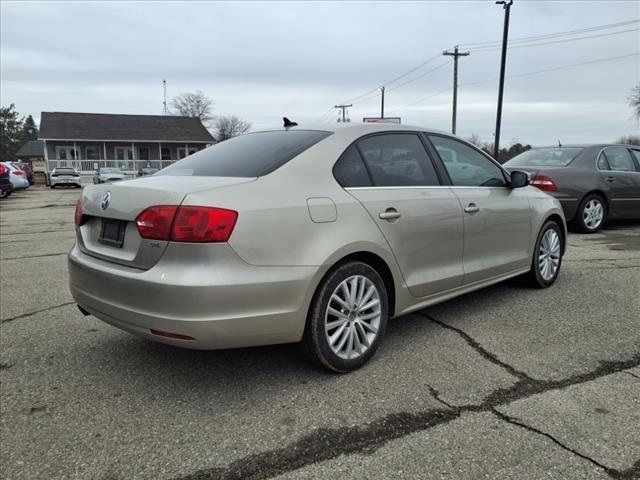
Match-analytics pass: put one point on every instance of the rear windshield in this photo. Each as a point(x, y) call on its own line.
point(65, 170)
point(545, 157)
point(110, 170)
point(250, 155)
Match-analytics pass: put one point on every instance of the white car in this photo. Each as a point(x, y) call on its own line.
point(17, 177)
point(64, 177)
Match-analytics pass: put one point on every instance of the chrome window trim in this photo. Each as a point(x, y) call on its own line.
point(413, 187)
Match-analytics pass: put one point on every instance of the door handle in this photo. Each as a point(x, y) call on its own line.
point(611, 179)
point(472, 208)
point(390, 214)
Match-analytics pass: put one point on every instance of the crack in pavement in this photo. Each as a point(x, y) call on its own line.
point(36, 256)
point(487, 355)
point(23, 315)
point(632, 374)
point(327, 443)
point(612, 472)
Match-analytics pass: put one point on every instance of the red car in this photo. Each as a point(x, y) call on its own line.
point(5, 183)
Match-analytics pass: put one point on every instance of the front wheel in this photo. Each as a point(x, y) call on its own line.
point(347, 318)
point(547, 256)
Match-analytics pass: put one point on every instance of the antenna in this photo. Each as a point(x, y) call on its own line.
point(164, 103)
point(559, 144)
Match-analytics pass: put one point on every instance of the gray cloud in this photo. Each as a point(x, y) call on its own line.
point(260, 60)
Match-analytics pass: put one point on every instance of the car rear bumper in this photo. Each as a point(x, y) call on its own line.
point(225, 304)
point(19, 183)
point(53, 181)
point(569, 204)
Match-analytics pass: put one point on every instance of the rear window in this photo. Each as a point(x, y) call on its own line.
point(545, 157)
point(65, 170)
point(250, 155)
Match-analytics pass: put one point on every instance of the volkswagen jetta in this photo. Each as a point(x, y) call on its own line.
point(310, 236)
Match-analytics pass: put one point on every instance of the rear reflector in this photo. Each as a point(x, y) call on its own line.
point(187, 223)
point(544, 183)
point(177, 336)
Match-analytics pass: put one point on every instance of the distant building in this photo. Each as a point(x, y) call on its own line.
point(88, 141)
point(32, 153)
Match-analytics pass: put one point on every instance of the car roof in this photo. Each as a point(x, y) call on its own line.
point(358, 129)
point(586, 145)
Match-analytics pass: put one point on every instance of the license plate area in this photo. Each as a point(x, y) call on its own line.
point(112, 232)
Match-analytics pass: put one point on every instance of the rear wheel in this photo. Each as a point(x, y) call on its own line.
point(547, 256)
point(591, 214)
point(347, 318)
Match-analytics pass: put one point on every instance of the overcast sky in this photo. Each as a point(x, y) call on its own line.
point(263, 60)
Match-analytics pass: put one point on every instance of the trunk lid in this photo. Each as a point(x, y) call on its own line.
point(110, 232)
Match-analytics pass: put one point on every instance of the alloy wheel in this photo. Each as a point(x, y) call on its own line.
point(352, 319)
point(549, 254)
point(593, 213)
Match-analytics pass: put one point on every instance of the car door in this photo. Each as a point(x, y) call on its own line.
point(394, 178)
point(497, 219)
point(636, 195)
point(619, 174)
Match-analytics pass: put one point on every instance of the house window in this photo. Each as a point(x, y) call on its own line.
point(183, 151)
point(165, 153)
point(64, 152)
point(124, 153)
point(93, 152)
point(143, 153)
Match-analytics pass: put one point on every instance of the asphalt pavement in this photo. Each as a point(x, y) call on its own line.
point(504, 383)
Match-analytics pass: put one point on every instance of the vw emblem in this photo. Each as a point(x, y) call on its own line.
point(106, 199)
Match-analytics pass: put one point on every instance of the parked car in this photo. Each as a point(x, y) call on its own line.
point(144, 172)
point(108, 174)
point(17, 177)
point(594, 183)
point(26, 168)
point(64, 177)
point(5, 183)
point(311, 236)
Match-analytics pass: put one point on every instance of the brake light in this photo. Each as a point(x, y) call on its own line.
point(187, 223)
point(79, 214)
point(3, 169)
point(203, 224)
point(155, 222)
point(544, 183)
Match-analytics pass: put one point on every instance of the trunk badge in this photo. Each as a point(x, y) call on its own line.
point(106, 199)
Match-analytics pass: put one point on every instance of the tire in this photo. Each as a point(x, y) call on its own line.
point(357, 327)
point(538, 276)
point(52, 186)
point(591, 224)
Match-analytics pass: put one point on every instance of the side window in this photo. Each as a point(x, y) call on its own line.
point(636, 153)
point(398, 160)
point(603, 164)
point(619, 159)
point(350, 171)
point(466, 166)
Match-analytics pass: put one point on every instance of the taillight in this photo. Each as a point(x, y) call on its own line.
point(3, 169)
point(203, 224)
point(155, 222)
point(544, 183)
point(79, 214)
point(187, 223)
point(18, 172)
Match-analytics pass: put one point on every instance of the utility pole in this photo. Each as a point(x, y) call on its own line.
point(506, 5)
point(382, 105)
point(455, 54)
point(344, 116)
point(164, 103)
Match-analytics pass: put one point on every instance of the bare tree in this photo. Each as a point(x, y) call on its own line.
point(634, 101)
point(475, 140)
point(193, 105)
point(629, 139)
point(229, 127)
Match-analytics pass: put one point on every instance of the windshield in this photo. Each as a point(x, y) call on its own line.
point(545, 157)
point(110, 170)
point(251, 155)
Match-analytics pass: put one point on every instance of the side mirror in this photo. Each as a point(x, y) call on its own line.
point(519, 179)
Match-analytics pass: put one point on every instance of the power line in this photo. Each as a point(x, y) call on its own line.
point(553, 42)
point(411, 80)
point(552, 35)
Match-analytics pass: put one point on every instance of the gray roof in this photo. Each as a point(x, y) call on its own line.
point(106, 126)
point(33, 148)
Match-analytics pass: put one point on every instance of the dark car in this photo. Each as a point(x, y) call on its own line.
point(594, 183)
point(6, 186)
point(145, 172)
point(26, 168)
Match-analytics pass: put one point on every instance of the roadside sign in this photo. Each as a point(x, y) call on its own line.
point(381, 120)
